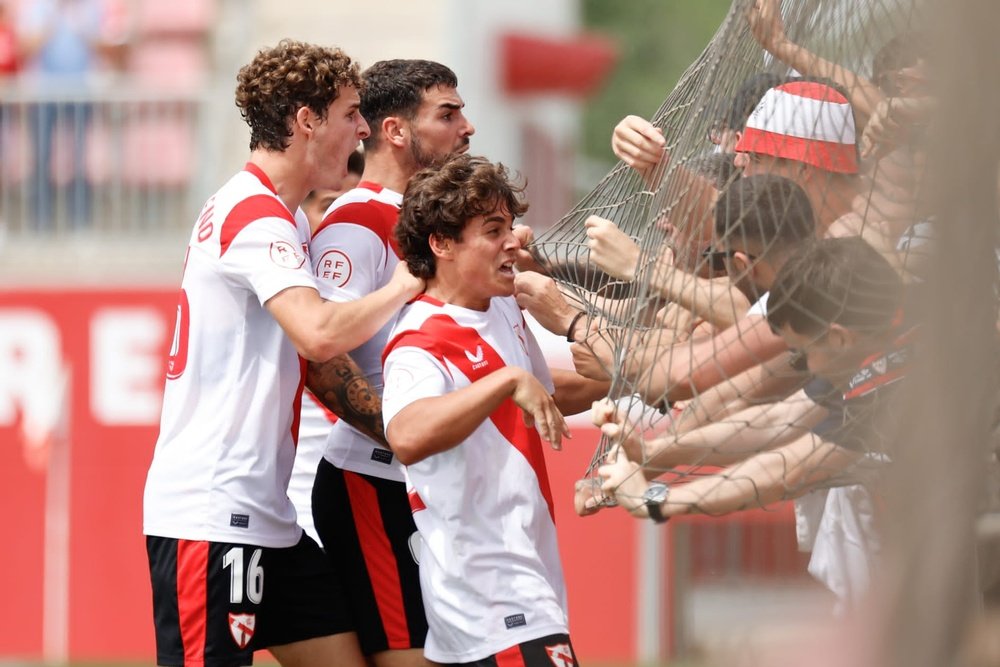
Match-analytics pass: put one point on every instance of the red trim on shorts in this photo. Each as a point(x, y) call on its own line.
point(192, 598)
point(380, 560)
point(510, 657)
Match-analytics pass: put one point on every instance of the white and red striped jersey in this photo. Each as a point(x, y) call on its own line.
point(489, 561)
point(315, 423)
point(354, 253)
point(234, 381)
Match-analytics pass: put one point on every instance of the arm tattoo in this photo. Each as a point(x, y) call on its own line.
point(341, 386)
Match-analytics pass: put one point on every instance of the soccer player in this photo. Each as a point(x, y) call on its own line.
point(359, 499)
point(231, 570)
point(316, 419)
point(467, 401)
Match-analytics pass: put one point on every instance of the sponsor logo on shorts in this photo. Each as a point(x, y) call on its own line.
point(241, 628)
point(287, 256)
point(515, 621)
point(239, 520)
point(381, 455)
point(560, 655)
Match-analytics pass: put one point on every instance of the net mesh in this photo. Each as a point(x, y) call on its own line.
point(704, 394)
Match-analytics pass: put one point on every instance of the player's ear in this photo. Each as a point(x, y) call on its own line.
point(441, 246)
point(741, 262)
point(305, 118)
point(840, 337)
point(395, 130)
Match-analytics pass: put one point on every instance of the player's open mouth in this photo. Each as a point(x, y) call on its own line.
point(507, 268)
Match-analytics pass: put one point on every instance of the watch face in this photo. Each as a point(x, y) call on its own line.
point(656, 493)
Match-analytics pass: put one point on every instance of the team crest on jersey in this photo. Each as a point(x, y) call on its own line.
point(519, 332)
point(286, 255)
point(881, 365)
point(560, 655)
point(241, 628)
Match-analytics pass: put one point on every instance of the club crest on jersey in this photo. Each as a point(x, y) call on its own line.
point(477, 359)
point(560, 655)
point(519, 332)
point(286, 255)
point(881, 365)
point(241, 628)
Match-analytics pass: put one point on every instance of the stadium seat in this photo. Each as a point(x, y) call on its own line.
point(177, 17)
point(176, 64)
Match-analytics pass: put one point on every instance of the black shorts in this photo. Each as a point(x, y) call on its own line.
point(216, 603)
point(551, 651)
point(367, 530)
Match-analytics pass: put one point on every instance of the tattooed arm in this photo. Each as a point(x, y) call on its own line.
point(341, 386)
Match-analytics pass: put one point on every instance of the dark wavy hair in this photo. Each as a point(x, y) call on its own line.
point(281, 80)
point(440, 201)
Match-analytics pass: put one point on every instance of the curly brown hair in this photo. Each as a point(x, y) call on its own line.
point(441, 199)
point(281, 80)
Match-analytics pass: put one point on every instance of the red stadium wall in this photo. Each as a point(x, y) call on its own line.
point(112, 345)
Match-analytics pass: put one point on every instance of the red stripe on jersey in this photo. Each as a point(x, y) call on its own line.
point(261, 176)
point(416, 502)
point(465, 349)
point(297, 403)
point(247, 211)
point(510, 657)
point(380, 559)
point(376, 216)
point(192, 598)
point(371, 185)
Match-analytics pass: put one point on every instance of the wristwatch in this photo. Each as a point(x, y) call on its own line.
point(653, 499)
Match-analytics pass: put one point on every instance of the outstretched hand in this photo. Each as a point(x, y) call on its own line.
point(766, 25)
point(639, 144)
point(407, 282)
point(623, 479)
point(611, 249)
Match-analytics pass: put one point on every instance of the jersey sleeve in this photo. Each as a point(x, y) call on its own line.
point(267, 256)
point(411, 374)
point(348, 255)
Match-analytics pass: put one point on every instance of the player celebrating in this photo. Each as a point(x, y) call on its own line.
point(465, 382)
point(231, 570)
point(359, 499)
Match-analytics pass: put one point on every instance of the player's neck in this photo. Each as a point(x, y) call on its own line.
point(382, 167)
point(454, 293)
point(284, 174)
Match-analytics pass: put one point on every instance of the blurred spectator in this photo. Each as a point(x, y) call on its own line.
point(62, 42)
point(10, 60)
